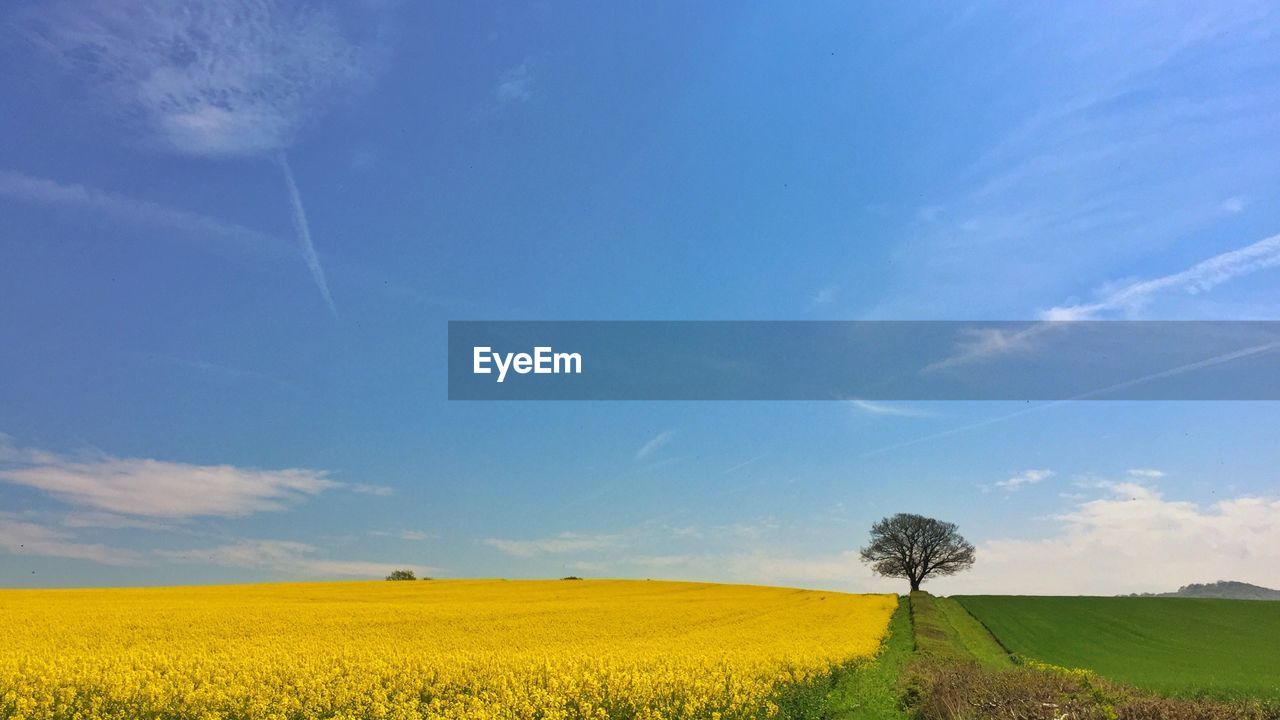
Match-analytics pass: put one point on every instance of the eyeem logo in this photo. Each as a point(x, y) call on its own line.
point(542, 362)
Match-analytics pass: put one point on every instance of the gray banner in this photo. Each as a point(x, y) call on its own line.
point(867, 360)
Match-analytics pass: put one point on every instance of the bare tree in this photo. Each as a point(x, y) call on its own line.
point(915, 547)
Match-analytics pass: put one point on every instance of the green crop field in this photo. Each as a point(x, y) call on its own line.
point(1176, 646)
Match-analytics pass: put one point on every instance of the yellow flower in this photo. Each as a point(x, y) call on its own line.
point(464, 650)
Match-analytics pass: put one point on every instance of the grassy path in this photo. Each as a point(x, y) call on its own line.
point(938, 627)
point(945, 630)
point(971, 635)
point(870, 691)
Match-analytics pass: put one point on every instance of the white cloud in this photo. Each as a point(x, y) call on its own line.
point(560, 544)
point(1234, 205)
point(654, 444)
point(743, 464)
point(1134, 540)
point(843, 569)
point(366, 489)
point(982, 343)
point(19, 536)
point(287, 557)
point(1146, 473)
point(826, 295)
point(1024, 478)
point(142, 487)
point(409, 535)
point(1199, 278)
point(43, 191)
point(246, 88)
point(112, 521)
point(303, 230)
point(837, 570)
point(1130, 540)
point(873, 408)
point(751, 530)
point(516, 84)
point(664, 561)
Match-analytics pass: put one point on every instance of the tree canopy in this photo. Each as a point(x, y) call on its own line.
point(915, 547)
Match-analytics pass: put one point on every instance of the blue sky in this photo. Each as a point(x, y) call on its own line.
point(227, 261)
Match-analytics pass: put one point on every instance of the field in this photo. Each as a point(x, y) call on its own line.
point(439, 649)
point(1176, 646)
point(634, 650)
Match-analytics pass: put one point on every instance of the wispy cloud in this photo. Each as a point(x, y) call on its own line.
point(1099, 392)
point(763, 565)
point(563, 543)
point(1127, 154)
point(1234, 205)
point(303, 230)
point(247, 89)
point(287, 557)
point(114, 521)
point(516, 84)
point(367, 489)
point(1146, 473)
point(23, 538)
point(148, 488)
point(978, 344)
point(1199, 278)
point(44, 191)
point(826, 295)
point(654, 445)
point(876, 408)
point(743, 464)
point(408, 535)
point(1020, 480)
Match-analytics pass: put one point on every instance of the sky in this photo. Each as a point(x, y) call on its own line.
point(234, 232)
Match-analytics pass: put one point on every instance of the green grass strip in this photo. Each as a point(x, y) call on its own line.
point(971, 635)
point(869, 691)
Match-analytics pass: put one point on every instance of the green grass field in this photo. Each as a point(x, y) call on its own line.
point(1176, 646)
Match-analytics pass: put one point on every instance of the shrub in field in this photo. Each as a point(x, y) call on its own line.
point(963, 690)
point(949, 689)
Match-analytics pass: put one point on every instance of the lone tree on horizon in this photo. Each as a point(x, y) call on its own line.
point(916, 547)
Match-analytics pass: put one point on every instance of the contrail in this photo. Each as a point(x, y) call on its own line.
point(1198, 365)
point(246, 90)
point(304, 232)
point(1201, 277)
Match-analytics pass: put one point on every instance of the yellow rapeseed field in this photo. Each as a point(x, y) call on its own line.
point(438, 649)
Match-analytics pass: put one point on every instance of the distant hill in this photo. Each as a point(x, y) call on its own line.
point(1228, 589)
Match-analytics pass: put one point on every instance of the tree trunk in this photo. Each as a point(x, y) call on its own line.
point(915, 585)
